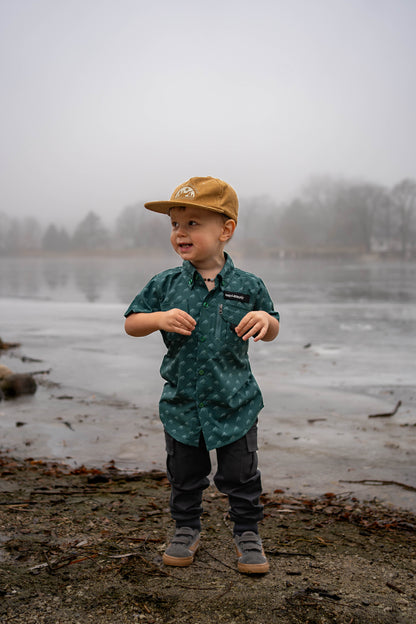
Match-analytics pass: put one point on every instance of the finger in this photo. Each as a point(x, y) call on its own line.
point(186, 330)
point(183, 331)
point(245, 324)
point(182, 326)
point(248, 324)
point(243, 331)
point(258, 331)
point(251, 332)
point(183, 322)
point(187, 319)
point(260, 335)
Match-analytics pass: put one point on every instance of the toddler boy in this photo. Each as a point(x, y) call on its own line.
point(206, 311)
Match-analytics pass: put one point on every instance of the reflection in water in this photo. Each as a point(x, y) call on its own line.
point(56, 275)
point(19, 275)
point(90, 279)
point(289, 281)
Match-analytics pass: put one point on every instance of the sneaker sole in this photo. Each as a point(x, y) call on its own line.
point(181, 562)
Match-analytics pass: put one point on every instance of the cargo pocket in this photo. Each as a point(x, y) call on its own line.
point(250, 464)
point(251, 439)
point(170, 453)
point(169, 444)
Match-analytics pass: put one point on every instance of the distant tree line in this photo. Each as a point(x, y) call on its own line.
point(329, 216)
point(333, 215)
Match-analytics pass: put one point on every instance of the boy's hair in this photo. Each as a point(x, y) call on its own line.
point(209, 193)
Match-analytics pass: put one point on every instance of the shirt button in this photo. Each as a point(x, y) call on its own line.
point(201, 371)
point(202, 338)
point(190, 282)
point(205, 304)
point(201, 405)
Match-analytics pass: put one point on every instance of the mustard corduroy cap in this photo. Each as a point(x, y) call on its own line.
point(209, 193)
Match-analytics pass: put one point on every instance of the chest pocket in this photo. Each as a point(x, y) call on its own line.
point(230, 314)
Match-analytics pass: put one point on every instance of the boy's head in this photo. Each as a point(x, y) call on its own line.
point(208, 193)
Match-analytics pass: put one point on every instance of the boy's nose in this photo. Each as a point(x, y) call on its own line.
point(181, 230)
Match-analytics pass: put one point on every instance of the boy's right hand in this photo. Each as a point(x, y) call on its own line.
point(177, 321)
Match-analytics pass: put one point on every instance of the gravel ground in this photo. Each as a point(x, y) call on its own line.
point(85, 545)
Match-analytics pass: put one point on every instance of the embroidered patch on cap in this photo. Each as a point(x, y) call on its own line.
point(185, 191)
point(235, 296)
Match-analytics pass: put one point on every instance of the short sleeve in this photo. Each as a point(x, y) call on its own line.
point(264, 301)
point(148, 300)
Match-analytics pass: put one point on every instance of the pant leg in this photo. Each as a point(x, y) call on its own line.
point(188, 468)
point(239, 478)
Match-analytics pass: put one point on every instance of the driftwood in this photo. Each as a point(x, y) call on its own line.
point(387, 414)
point(411, 488)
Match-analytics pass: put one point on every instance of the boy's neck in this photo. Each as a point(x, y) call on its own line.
point(213, 265)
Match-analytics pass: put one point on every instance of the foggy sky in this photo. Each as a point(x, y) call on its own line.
point(108, 102)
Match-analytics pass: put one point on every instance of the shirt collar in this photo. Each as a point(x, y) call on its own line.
point(190, 272)
point(226, 271)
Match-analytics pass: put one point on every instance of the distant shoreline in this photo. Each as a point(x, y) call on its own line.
point(279, 254)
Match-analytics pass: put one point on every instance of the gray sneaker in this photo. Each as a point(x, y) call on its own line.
point(251, 557)
point(182, 548)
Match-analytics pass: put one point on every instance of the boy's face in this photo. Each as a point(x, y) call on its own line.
point(199, 235)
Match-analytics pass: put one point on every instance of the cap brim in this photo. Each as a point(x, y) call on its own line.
point(164, 206)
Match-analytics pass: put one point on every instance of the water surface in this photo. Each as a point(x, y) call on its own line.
point(346, 350)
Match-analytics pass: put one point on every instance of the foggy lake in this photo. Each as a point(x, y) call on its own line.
point(346, 351)
point(112, 280)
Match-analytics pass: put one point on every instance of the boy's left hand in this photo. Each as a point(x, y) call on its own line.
point(255, 323)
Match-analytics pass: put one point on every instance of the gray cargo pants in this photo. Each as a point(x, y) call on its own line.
point(237, 476)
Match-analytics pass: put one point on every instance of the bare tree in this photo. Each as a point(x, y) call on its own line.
point(91, 234)
point(137, 227)
point(359, 207)
point(404, 201)
point(128, 226)
point(55, 239)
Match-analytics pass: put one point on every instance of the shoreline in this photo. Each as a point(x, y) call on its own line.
point(308, 454)
point(358, 255)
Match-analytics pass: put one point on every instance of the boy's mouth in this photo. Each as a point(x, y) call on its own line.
point(185, 246)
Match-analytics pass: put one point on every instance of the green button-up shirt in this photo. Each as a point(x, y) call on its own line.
point(209, 384)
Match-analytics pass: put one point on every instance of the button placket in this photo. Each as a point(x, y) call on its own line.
point(202, 355)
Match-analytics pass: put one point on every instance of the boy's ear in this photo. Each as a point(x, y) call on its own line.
point(228, 230)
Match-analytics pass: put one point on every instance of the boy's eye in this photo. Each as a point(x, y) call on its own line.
point(191, 223)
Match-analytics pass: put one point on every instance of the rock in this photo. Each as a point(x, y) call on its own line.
point(4, 371)
point(16, 384)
